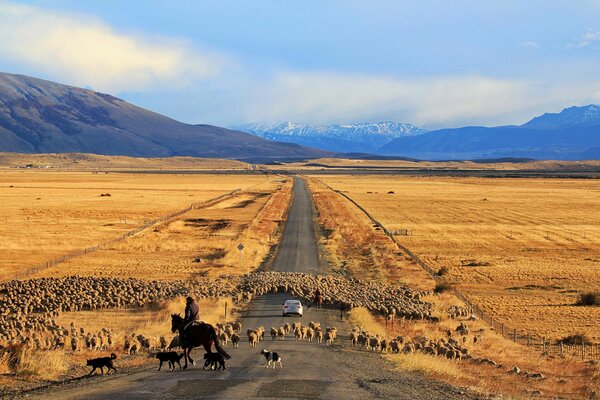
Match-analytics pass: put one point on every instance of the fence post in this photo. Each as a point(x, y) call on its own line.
point(528, 340)
point(561, 348)
point(544, 344)
point(225, 311)
point(515, 335)
point(502, 328)
point(583, 350)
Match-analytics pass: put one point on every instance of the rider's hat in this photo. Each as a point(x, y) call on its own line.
point(189, 299)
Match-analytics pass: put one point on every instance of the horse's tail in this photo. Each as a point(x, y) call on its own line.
point(215, 339)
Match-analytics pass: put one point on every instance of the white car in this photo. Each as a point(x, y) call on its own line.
point(292, 307)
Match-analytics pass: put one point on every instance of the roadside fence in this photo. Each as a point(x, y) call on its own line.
point(584, 351)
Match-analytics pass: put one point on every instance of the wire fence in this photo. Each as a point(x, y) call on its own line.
point(147, 224)
point(585, 351)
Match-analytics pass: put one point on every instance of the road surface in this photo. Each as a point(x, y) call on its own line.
point(310, 370)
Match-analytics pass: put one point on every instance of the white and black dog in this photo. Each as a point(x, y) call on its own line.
point(272, 358)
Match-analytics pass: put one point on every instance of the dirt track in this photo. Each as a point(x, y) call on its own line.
point(310, 370)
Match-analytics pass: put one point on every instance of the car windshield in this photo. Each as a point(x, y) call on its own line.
point(292, 302)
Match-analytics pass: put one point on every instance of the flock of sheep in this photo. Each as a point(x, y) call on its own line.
point(342, 292)
point(451, 347)
point(310, 332)
point(30, 307)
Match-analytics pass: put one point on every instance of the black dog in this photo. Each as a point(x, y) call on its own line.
point(212, 359)
point(171, 357)
point(102, 362)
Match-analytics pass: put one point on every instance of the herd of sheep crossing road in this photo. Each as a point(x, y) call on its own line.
point(29, 309)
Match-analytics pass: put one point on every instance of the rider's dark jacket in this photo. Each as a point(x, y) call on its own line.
point(192, 312)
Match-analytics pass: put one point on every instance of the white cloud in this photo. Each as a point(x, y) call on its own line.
point(590, 38)
point(529, 45)
point(84, 51)
point(429, 102)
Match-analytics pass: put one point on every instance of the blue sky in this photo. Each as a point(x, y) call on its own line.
point(431, 63)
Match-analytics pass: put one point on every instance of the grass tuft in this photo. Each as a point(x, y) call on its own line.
point(418, 362)
point(442, 287)
point(576, 339)
point(589, 299)
point(360, 316)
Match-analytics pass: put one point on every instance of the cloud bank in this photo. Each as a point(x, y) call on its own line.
point(84, 51)
point(429, 102)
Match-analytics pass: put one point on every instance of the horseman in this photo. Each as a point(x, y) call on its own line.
point(192, 314)
point(318, 298)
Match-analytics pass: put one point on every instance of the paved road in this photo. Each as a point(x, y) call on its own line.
point(310, 370)
point(298, 248)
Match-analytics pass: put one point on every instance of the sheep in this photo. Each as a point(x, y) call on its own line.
point(329, 338)
point(319, 335)
point(235, 340)
point(253, 339)
point(281, 333)
point(354, 338)
point(310, 333)
point(274, 332)
point(374, 343)
point(75, 346)
point(224, 338)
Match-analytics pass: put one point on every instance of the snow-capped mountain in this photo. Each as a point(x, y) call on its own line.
point(569, 117)
point(343, 138)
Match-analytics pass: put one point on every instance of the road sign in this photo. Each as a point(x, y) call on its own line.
point(240, 247)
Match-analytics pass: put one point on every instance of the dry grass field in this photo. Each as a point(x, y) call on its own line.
point(46, 214)
point(355, 247)
point(522, 249)
point(201, 242)
point(96, 162)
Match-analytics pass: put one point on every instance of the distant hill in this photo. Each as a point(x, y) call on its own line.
point(340, 138)
point(572, 134)
point(38, 116)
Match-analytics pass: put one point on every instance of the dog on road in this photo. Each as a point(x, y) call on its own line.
point(102, 362)
point(171, 357)
point(272, 358)
point(212, 359)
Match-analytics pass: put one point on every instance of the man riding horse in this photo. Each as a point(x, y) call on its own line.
point(192, 314)
point(193, 333)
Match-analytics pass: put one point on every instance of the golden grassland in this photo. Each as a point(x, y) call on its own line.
point(355, 247)
point(352, 235)
point(323, 163)
point(95, 162)
point(201, 242)
point(45, 214)
point(522, 249)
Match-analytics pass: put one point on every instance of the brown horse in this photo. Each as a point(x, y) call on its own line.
point(198, 335)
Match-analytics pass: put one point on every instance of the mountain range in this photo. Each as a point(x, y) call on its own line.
point(572, 134)
point(38, 116)
point(340, 138)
